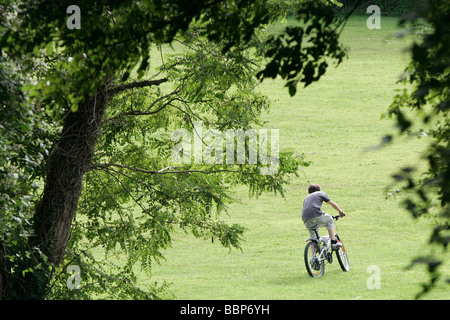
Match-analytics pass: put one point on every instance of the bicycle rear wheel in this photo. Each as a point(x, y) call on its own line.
point(342, 257)
point(314, 266)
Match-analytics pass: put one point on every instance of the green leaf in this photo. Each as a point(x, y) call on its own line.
point(49, 48)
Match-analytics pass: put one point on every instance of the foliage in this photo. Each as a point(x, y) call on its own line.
point(134, 165)
point(300, 54)
point(387, 7)
point(87, 142)
point(428, 80)
point(25, 141)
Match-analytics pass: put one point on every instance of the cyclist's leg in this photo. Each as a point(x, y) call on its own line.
point(324, 220)
point(330, 227)
point(328, 222)
point(313, 232)
point(331, 233)
point(313, 227)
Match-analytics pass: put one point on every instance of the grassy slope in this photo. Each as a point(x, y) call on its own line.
point(333, 122)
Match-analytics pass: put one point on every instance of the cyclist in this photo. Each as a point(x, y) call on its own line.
point(313, 216)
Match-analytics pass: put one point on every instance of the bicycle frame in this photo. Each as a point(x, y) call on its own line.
point(324, 243)
point(323, 253)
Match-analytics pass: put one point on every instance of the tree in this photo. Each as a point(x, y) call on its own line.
point(96, 140)
point(428, 80)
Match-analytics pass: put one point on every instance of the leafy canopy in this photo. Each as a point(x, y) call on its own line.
point(133, 195)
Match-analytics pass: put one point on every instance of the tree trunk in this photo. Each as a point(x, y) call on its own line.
point(66, 167)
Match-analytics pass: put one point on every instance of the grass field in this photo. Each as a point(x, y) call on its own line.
point(334, 122)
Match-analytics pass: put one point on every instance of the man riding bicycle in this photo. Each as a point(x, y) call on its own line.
point(313, 216)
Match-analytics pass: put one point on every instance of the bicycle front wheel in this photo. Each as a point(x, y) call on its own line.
point(314, 265)
point(342, 257)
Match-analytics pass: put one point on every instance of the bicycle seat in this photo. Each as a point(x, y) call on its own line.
point(314, 227)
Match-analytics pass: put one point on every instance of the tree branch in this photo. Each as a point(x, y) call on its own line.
point(167, 170)
point(129, 193)
point(137, 84)
point(148, 110)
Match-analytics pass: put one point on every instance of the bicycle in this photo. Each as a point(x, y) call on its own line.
point(318, 253)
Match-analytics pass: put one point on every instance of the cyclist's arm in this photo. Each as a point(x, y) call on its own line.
point(336, 207)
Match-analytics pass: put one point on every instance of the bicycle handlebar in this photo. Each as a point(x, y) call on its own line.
point(338, 216)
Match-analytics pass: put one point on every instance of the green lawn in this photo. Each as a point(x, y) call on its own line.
point(335, 123)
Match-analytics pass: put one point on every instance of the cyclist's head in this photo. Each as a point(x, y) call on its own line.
point(313, 187)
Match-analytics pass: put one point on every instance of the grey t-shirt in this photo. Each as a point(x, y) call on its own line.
point(312, 205)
